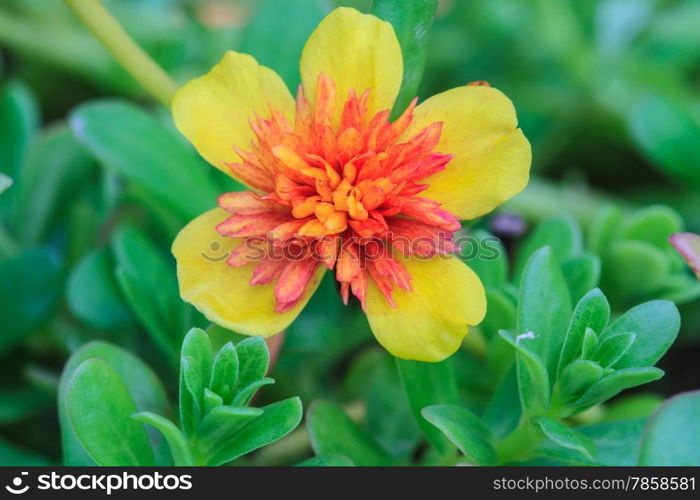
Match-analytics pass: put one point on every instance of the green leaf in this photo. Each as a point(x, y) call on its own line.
point(656, 324)
point(489, 259)
point(99, 408)
point(613, 348)
point(278, 420)
point(245, 394)
point(582, 274)
point(592, 311)
point(332, 432)
point(327, 461)
point(567, 437)
point(224, 375)
point(219, 427)
point(195, 373)
point(633, 268)
point(669, 136)
point(500, 314)
point(578, 377)
point(544, 306)
point(562, 234)
point(55, 167)
point(143, 385)
point(639, 405)
point(533, 380)
point(18, 122)
point(616, 382)
point(672, 436)
point(465, 430)
point(427, 384)
point(617, 443)
point(93, 294)
point(177, 442)
point(654, 225)
point(290, 23)
point(140, 270)
point(604, 229)
point(411, 22)
point(253, 359)
point(504, 410)
point(211, 400)
point(127, 139)
point(30, 286)
point(389, 418)
point(589, 344)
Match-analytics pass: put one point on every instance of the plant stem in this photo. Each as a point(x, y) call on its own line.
point(518, 443)
point(127, 53)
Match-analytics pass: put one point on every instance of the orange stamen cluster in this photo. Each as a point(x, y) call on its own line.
point(344, 196)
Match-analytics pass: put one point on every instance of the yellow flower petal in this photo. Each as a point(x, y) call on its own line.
point(429, 323)
point(492, 157)
point(357, 51)
point(212, 111)
point(222, 292)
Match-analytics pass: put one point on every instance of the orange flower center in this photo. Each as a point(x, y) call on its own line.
point(343, 196)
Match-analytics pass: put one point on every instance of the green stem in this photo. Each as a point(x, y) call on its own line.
point(518, 443)
point(127, 53)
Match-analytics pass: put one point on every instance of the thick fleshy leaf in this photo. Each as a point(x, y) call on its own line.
point(666, 132)
point(332, 432)
point(582, 274)
point(327, 460)
point(30, 286)
point(544, 307)
point(577, 377)
point(656, 324)
point(144, 388)
point(277, 420)
point(592, 311)
point(95, 297)
point(56, 165)
point(125, 138)
point(533, 380)
point(616, 382)
point(18, 121)
point(653, 225)
point(99, 409)
point(465, 430)
point(567, 437)
point(562, 234)
point(411, 22)
point(178, 445)
point(428, 384)
point(195, 373)
point(147, 280)
point(672, 436)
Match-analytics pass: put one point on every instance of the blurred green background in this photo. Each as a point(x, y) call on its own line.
point(607, 91)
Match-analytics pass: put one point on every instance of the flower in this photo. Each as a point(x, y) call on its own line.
point(335, 185)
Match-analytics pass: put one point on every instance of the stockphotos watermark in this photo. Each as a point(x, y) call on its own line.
point(441, 245)
point(106, 483)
